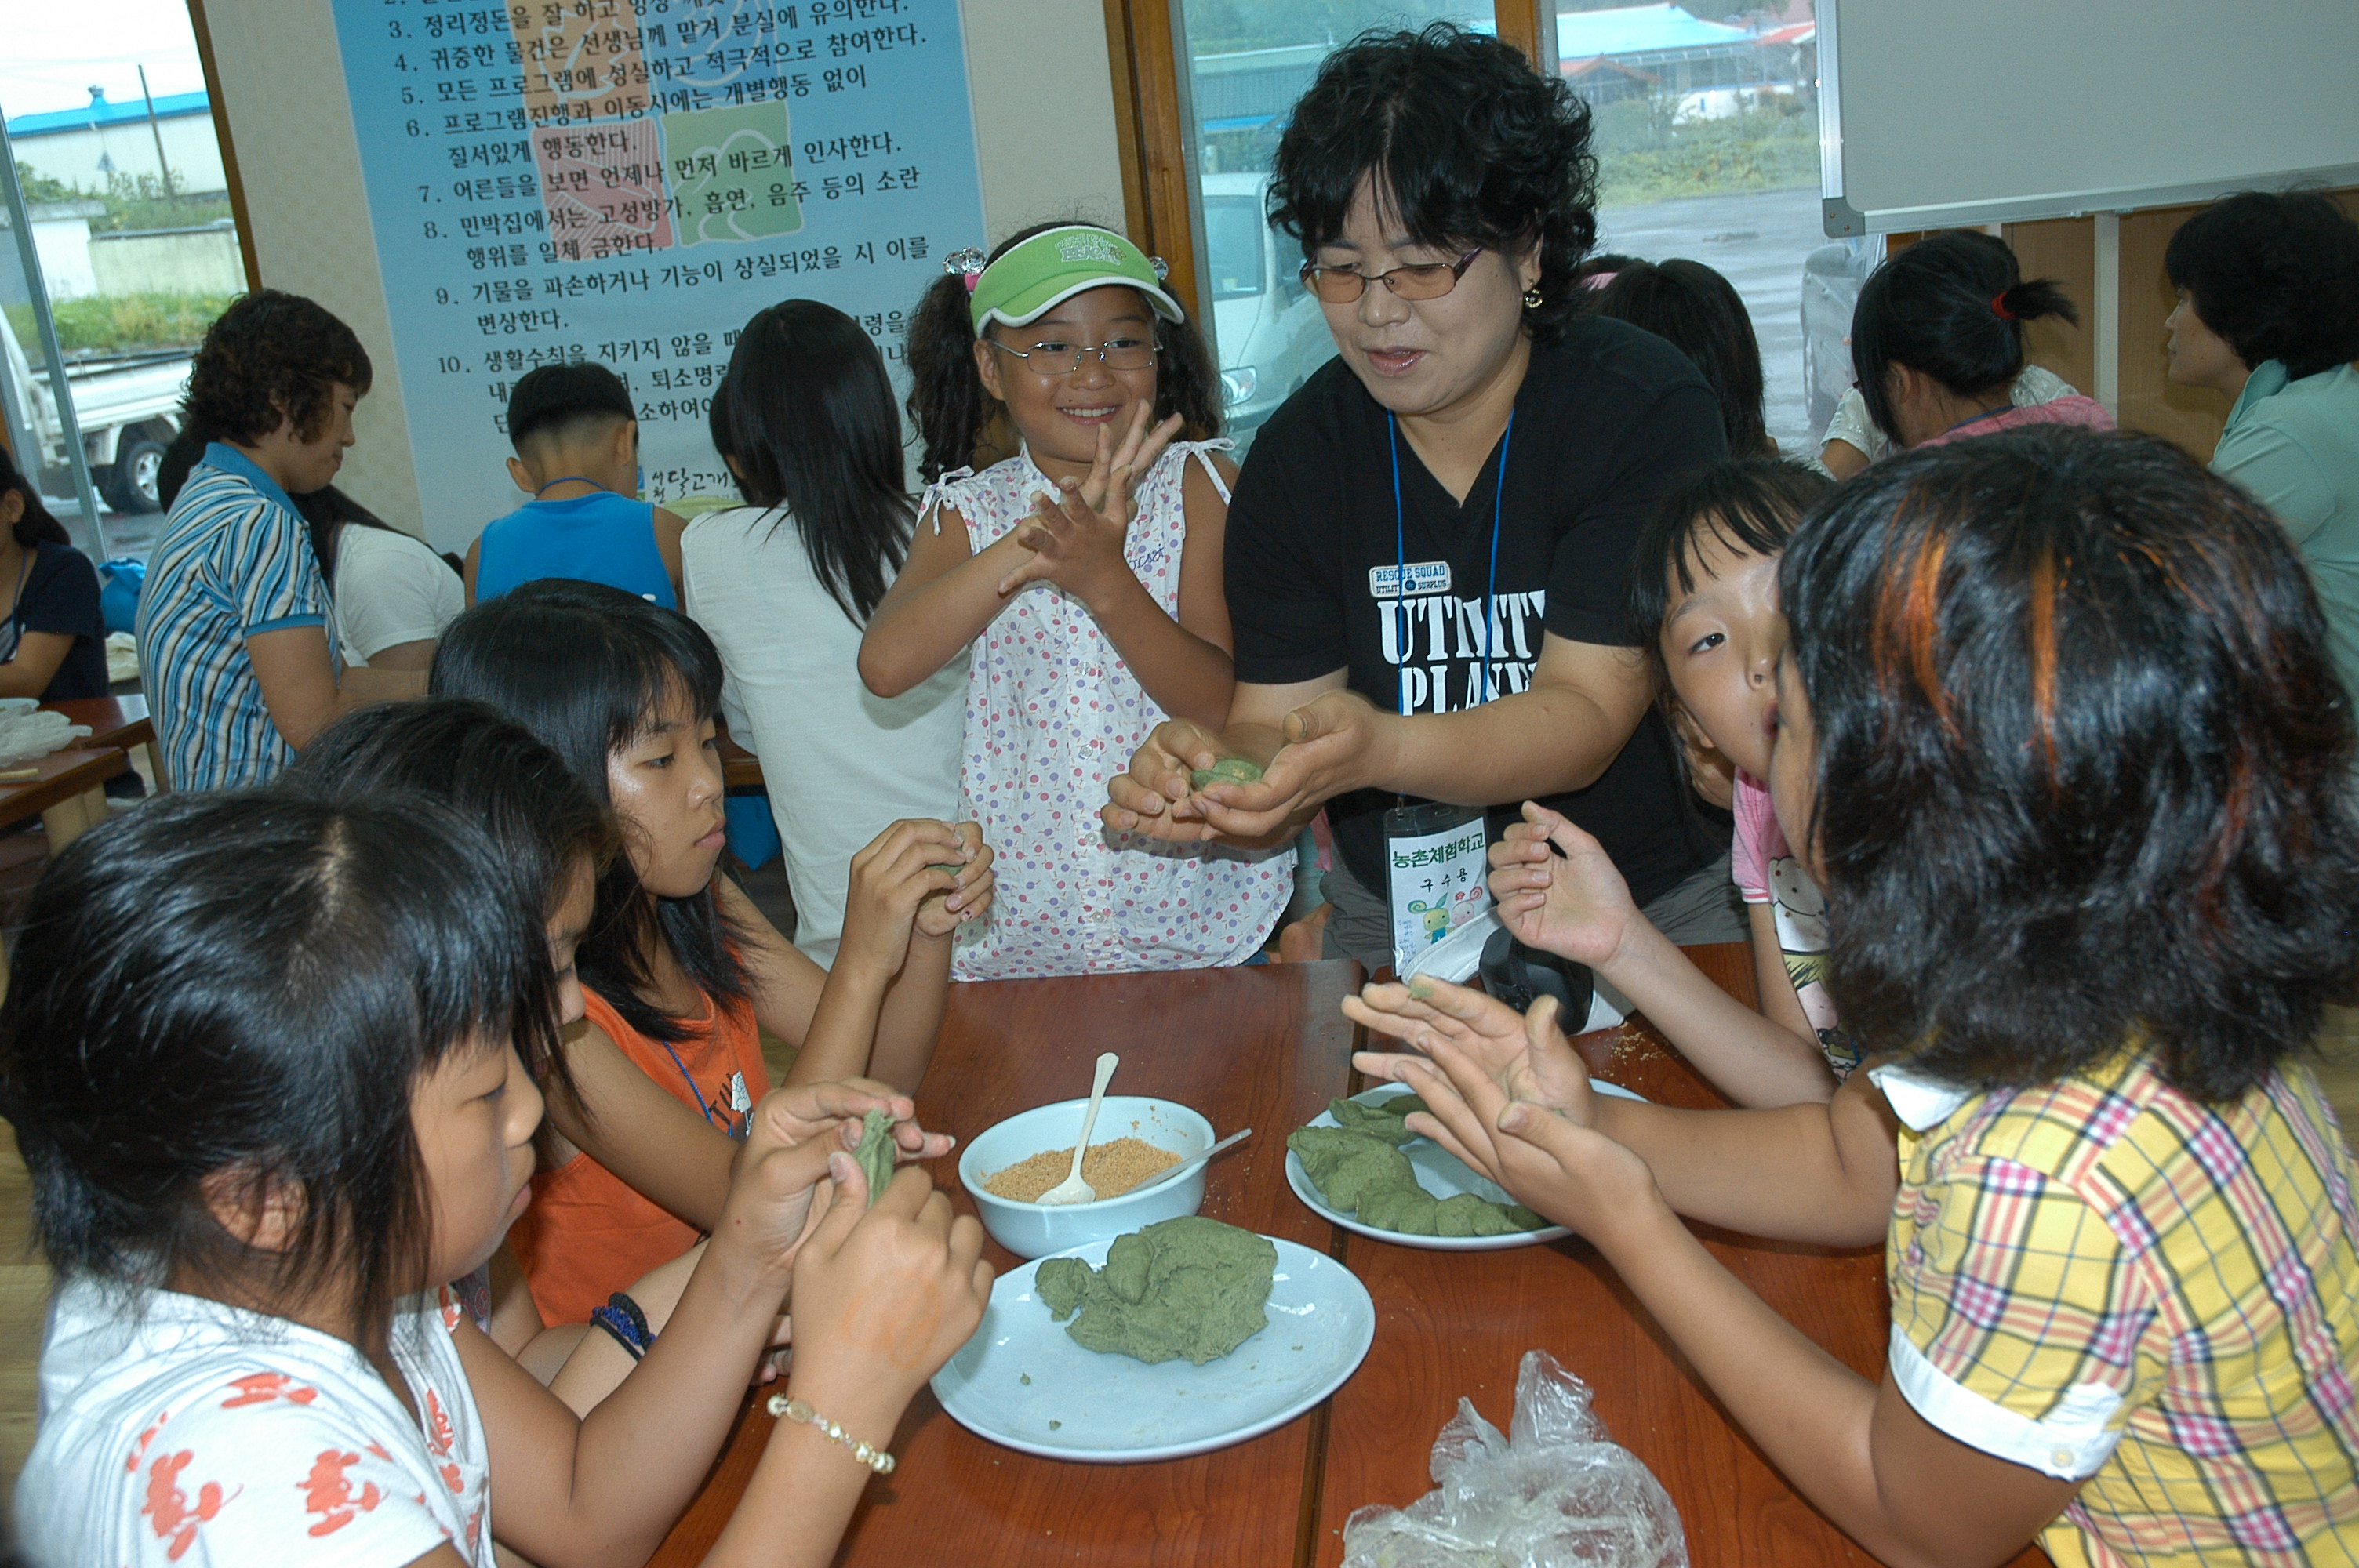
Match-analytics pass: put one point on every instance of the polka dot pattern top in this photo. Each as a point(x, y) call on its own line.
point(1053, 712)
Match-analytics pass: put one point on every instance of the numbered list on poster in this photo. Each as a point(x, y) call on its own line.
point(627, 181)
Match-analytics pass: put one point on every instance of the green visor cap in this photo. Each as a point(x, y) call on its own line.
point(1035, 277)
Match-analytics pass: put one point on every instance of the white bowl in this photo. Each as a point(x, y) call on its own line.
point(1033, 1230)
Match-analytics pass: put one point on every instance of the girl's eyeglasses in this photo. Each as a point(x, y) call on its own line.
point(1050, 361)
point(1428, 280)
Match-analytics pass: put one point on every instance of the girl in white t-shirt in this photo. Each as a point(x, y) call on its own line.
point(271, 1063)
point(805, 420)
point(1705, 601)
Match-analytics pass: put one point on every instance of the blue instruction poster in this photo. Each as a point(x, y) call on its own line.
point(628, 181)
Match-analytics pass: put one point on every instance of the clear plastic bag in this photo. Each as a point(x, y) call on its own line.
point(1556, 1492)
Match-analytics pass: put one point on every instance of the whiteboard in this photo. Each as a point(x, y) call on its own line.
point(1942, 113)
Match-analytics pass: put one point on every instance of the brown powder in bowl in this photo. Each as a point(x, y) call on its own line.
point(1113, 1169)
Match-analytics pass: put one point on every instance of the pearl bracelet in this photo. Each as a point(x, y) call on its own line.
point(876, 1459)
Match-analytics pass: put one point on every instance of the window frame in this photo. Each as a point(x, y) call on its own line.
point(1157, 134)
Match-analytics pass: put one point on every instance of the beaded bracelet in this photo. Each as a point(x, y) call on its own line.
point(876, 1459)
point(622, 1318)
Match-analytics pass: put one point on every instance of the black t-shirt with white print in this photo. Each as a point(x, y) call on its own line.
point(1606, 420)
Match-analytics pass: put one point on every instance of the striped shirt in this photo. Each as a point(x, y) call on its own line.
point(2108, 1281)
point(233, 560)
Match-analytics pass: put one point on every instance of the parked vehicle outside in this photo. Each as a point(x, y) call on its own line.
point(1265, 325)
point(1831, 278)
point(128, 408)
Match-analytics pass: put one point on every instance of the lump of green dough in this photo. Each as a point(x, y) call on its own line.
point(1228, 769)
point(875, 1152)
point(1358, 1172)
point(1345, 1165)
point(1188, 1287)
point(1380, 1120)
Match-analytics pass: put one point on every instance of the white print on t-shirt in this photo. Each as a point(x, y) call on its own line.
point(1426, 637)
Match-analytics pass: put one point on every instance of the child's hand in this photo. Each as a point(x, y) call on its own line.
point(1575, 904)
point(970, 897)
point(1547, 1156)
point(906, 864)
point(1161, 775)
point(800, 1112)
point(884, 1295)
point(1076, 538)
point(1428, 1012)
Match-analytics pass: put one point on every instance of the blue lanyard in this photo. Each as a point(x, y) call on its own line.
point(695, 1094)
point(1401, 561)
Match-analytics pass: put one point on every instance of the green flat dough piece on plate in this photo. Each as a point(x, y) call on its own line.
point(875, 1152)
point(1382, 1119)
point(1359, 1171)
point(1187, 1288)
point(1228, 769)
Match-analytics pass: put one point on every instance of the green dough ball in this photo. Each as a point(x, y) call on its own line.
point(1188, 1287)
point(875, 1152)
point(1228, 769)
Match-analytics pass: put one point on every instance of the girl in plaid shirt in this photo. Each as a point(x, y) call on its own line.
point(2060, 735)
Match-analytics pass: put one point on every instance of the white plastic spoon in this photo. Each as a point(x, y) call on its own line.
point(1072, 1189)
point(1184, 1166)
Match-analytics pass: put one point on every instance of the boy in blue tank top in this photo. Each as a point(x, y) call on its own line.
point(577, 455)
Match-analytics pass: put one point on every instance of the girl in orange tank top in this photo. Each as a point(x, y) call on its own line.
point(679, 971)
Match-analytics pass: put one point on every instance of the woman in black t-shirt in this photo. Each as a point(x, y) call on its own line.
point(1427, 548)
point(53, 646)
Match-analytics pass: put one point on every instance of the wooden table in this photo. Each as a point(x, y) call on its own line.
point(1264, 1047)
point(69, 795)
point(118, 722)
point(1261, 1047)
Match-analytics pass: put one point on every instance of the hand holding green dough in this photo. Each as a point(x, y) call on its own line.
point(1228, 769)
point(1188, 1287)
point(875, 1152)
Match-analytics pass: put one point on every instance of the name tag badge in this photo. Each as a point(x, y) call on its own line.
point(1410, 581)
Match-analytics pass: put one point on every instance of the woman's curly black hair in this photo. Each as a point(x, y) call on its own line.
point(2276, 274)
point(2083, 763)
point(271, 356)
point(953, 410)
point(1469, 143)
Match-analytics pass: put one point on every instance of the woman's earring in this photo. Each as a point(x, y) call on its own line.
point(1532, 298)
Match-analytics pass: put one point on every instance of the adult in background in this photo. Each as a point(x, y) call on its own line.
point(234, 650)
point(53, 646)
point(1428, 546)
point(2268, 315)
point(392, 593)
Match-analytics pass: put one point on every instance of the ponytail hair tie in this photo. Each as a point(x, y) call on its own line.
point(1998, 307)
point(966, 265)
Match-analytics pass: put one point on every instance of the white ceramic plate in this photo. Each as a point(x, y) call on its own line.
point(1439, 1172)
point(1021, 1381)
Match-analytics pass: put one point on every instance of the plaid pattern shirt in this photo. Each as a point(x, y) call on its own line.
point(2108, 1281)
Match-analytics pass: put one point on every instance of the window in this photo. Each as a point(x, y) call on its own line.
point(1706, 137)
point(113, 160)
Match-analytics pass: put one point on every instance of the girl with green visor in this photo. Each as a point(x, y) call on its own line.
point(1085, 570)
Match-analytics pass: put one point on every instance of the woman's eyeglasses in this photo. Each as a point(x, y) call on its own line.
point(1428, 280)
point(1051, 359)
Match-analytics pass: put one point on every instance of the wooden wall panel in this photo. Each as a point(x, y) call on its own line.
point(2065, 250)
